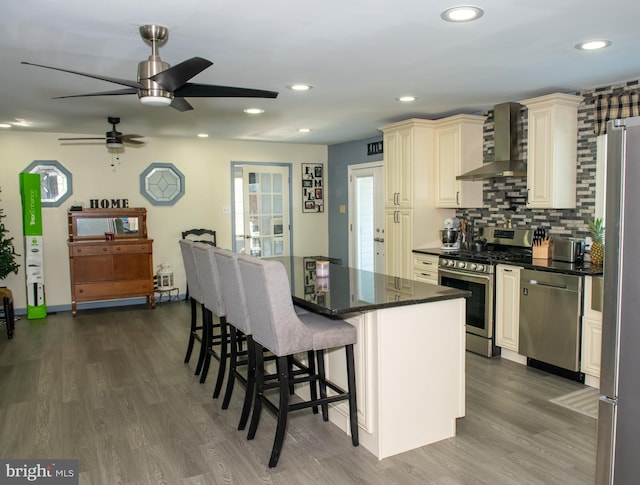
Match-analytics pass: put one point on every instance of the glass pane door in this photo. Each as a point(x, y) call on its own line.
point(262, 218)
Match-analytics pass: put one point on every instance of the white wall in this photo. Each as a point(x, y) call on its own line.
point(205, 164)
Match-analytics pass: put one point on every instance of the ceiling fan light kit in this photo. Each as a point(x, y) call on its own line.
point(160, 84)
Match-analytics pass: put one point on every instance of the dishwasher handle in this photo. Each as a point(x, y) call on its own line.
point(548, 285)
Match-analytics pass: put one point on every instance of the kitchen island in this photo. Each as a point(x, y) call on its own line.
point(410, 353)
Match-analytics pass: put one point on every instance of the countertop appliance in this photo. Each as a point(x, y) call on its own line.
point(618, 445)
point(568, 250)
point(451, 234)
point(550, 310)
point(473, 271)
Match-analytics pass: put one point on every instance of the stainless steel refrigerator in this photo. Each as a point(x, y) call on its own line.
point(618, 447)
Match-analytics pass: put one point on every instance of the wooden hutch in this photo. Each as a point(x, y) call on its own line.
point(110, 255)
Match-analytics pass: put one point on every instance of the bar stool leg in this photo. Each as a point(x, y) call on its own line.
point(251, 383)
point(322, 384)
point(204, 338)
point(313, 381)
point(283, 409)
point(234, 344)
point(224, 339)
point(353, 405)
point(257, 401)
point(192, 331)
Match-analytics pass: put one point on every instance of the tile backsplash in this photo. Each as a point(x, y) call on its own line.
point(506, 197)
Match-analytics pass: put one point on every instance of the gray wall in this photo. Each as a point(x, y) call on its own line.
point(339, 158)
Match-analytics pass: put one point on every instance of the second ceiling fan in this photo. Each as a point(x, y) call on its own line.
point(159, 84)
point(113, 138)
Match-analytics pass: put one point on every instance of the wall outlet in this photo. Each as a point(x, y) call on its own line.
point(226, 209)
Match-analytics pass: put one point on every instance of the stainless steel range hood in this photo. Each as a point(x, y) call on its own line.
point(506, 149)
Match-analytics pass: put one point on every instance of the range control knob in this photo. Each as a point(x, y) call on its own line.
point(480, 267)
point(473, 266)
point(462, 265)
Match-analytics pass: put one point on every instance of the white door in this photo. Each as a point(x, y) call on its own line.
point(261, 210)
point(366, 216)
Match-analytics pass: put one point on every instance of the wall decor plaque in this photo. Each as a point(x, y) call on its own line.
point(312, 187)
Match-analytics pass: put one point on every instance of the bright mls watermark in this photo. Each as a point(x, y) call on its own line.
point(40, 472)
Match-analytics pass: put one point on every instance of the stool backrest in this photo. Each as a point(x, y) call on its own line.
point(274, 322)
point(232, 290)
point(207, 236)
point(195, 290)
point(207, 269)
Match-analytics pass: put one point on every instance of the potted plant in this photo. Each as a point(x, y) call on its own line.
point(7, 251)
point(596, 230)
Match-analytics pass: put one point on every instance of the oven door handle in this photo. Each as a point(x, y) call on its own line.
point(464, 276)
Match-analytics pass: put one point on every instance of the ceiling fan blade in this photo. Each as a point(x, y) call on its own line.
point(116, 92)
point(124, 82)
point(181, 104)
point(131, 139)
point(193, 90)
point(78, 139)
point(174, 77)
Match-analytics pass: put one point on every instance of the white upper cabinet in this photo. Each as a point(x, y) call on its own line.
point(552, 151)
point(407, 145)
point(458, 149)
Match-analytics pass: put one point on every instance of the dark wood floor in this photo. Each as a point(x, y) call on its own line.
point(110, 389)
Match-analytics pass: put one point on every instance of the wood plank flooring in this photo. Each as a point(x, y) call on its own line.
point(109, 388)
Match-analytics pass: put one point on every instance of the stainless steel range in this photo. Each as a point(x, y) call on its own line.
point(473, 271)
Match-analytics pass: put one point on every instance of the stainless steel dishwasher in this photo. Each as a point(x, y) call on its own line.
point(550, 307)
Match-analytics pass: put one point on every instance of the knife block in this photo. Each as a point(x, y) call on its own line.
point(543, 251)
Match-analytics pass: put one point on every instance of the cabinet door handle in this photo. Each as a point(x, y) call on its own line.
point(427, 263)
point(458, 198)
point(528, 198)
point(507, 270)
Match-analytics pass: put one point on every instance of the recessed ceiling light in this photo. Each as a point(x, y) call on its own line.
point(406, 99)
point(304, 130)
point(300, 87)
point(203, 135)
point(253, 111)
point(592, 45)
point(5, 125)
point(462, 13)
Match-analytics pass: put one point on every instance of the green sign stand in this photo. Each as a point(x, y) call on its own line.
point(34, 256)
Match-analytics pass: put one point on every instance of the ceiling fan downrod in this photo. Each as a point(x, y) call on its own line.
point(152, 93)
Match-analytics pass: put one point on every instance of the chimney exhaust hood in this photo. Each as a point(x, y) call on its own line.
point(506, 149)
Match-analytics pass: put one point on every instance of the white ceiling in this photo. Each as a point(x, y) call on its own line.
point(359, 55)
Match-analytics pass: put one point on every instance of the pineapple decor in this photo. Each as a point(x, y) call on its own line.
point(596, 229)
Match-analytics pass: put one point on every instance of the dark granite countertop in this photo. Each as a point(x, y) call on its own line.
point(349, 290)
point(580, 269)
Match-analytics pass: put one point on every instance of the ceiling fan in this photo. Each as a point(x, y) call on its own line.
point(113, 138)
point(159, 84)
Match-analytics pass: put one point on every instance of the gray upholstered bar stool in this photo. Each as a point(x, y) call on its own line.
point(240, 332)
point(210, 283)
point(242, 352)
point(196, 332)
point(277, 328)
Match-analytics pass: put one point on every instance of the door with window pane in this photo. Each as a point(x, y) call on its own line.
point(264, 211)
point(366, 217)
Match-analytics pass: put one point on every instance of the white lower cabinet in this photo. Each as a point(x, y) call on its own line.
point(410, 375)
point(507, 306)
point(592, 328)
point(425, 268)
